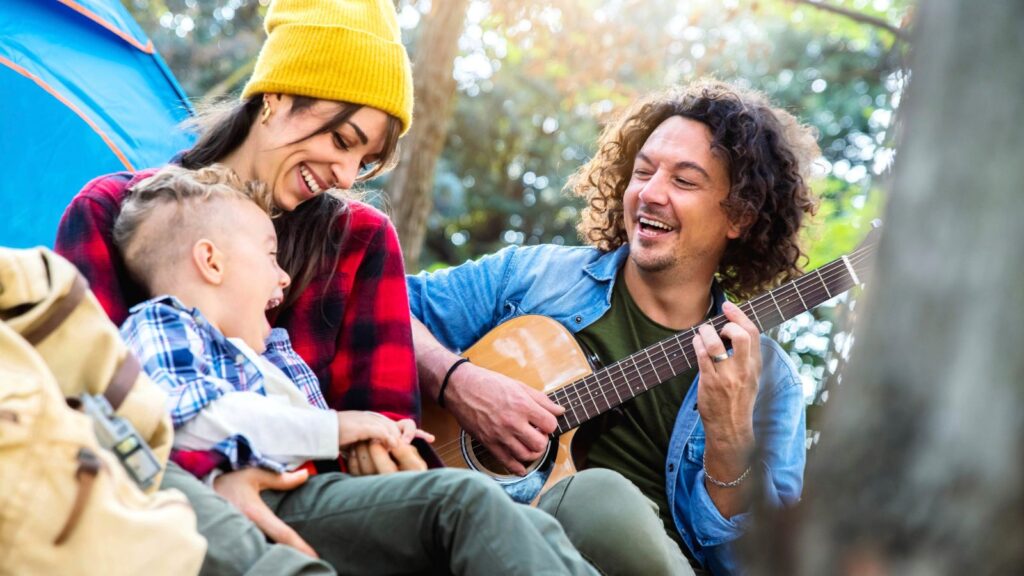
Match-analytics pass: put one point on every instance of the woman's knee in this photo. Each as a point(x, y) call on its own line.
point(467, 486)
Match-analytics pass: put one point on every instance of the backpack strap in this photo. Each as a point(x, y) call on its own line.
point(59, 312)
point(122, 381)
point(127, 372)
point(88, 468)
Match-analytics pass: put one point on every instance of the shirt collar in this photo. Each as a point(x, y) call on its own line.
point(169, 300)
point(717, 298)
point(278, 338)
point(192, 313)
point(143, 174)
point(607, 265)
point(140, 176)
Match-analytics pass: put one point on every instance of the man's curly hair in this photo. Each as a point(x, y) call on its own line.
point(768, 155)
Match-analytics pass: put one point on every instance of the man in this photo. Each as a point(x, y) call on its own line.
point(692, 193)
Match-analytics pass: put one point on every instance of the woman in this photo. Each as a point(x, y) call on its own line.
point(330, 95)
point(333, 123)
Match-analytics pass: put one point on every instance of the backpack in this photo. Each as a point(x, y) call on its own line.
point(68, 506)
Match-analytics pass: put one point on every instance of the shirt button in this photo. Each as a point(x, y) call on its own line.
point(671, 467)
point(578, 319)
point(239, 358)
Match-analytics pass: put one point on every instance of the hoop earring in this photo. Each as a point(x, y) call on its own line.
point(265, 114)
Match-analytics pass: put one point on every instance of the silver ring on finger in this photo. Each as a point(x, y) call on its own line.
point(720, 357)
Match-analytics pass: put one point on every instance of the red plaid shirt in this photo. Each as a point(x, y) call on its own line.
point(353, 330)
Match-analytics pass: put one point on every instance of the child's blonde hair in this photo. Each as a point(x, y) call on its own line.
point(151, 237)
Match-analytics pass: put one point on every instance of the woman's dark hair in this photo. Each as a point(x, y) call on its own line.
point(768, 155)
point(310, 237)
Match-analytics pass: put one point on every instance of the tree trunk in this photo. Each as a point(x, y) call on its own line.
point(410, 190)
point(920, 468)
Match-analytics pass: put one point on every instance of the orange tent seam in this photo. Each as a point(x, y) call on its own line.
point(53, 92)
point(147, 48)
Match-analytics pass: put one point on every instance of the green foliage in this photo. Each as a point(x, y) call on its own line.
point(536, 80)
point(841, 223)
point(527, 69)
point(204, 42)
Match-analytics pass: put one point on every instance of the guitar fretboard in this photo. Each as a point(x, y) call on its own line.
point(609, 387)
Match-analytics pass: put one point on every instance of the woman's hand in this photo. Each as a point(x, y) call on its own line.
point(368, 458)
point(242, 488)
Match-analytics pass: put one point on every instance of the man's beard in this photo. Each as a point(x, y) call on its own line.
point(645, 261)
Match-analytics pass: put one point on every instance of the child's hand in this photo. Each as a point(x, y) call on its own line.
point(358, 425)
point(409, 431)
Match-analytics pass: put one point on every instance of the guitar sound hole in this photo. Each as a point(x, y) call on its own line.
point(490, 462)
point(481, 459)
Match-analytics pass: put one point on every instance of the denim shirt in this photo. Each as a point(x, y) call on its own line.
point(573, 285)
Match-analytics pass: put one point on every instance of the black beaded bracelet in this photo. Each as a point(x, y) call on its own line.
point(447, 377)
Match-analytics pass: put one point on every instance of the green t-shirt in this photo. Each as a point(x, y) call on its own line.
point(637, 446)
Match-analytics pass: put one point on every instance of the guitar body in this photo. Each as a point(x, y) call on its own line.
point(542, 354)
point(545, 356)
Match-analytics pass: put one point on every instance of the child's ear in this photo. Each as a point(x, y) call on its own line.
point(209, 261)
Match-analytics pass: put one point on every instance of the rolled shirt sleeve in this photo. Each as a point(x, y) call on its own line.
point(460, 304)
point(287, 434)
point(780, 431)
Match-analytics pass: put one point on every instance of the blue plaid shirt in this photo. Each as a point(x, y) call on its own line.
point(195, 364)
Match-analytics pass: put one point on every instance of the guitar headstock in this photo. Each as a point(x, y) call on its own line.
point(873, 235)
point(863, 256)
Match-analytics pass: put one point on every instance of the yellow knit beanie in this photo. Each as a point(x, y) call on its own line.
point(346, 50)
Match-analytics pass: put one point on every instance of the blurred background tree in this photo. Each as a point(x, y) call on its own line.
point(919, 468)
point(530, 84)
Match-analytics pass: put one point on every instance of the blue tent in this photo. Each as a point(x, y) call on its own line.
point(82, 93)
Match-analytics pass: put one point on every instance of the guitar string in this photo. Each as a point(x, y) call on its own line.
point(593, 384)
point(770, 306)
point(597, 385)
point(599, 382)
point(686, 348)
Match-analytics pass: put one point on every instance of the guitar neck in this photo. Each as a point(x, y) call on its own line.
point(609, 387)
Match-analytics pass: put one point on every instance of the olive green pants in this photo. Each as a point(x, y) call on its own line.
point(613, 525)
point(235, 545)
point(436, 522)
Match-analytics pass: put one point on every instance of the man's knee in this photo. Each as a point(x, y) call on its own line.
point(603, 480)
point(613, 524)
point(603, 494)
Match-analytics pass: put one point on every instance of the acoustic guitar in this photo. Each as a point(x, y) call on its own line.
point(543, 354)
